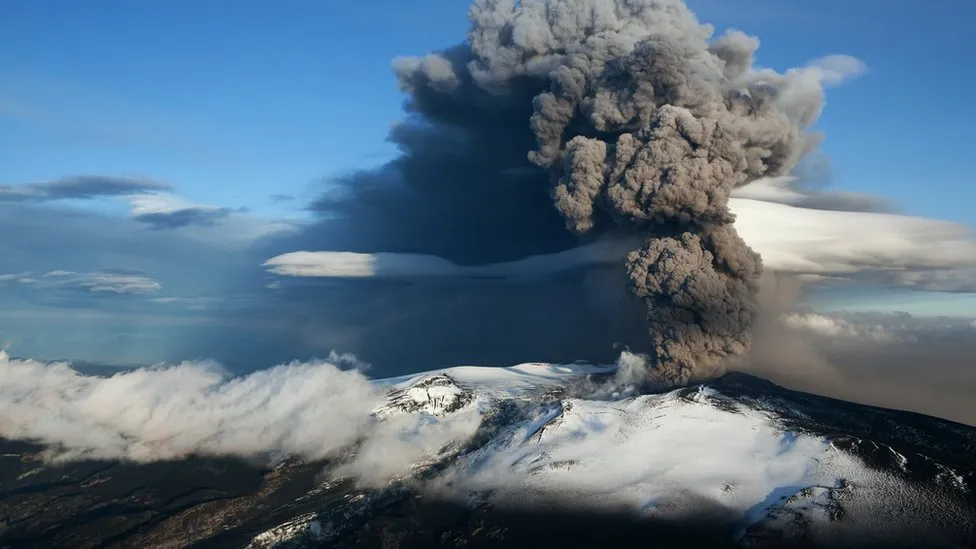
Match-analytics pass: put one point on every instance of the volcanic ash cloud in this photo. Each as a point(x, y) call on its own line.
point(644, 125)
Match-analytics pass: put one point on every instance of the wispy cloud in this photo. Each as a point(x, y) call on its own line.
point(164, 211)
point(184, 217)
point(939, 280)
point(79, 187)
point(790, 191)
point(833, 70)
point(194, 303)
point(11, 277)
point(96, 282)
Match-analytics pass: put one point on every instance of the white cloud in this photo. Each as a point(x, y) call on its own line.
point(807, 241)
point(833, 70)
point(195, 303)
point(10, 277)
point(818, 244)
point(359, 265)
point(788, 190)
point(315, 409)
point(143, 204)
point(395, 445)
point(417, 266)
point(837, 327)
point(203, 221)
point(97, 282)
point(309, 409)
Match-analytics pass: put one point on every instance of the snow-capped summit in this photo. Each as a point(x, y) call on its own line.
point(770, 465)
point(436, 394)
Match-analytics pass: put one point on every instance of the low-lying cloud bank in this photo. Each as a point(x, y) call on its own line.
point(322, 408)
point(304, 409)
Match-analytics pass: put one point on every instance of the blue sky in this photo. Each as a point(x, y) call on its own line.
point(231, 103)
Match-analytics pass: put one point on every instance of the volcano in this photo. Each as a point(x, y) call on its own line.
point(735, 461)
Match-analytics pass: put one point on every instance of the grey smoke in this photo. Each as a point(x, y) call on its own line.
point(643, 125)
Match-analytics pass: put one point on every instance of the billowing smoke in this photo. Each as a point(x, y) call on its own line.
point(642, 124)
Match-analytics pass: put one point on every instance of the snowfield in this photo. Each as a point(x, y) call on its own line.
point(671, 455)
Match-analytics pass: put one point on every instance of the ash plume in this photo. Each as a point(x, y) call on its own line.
point(641, 123)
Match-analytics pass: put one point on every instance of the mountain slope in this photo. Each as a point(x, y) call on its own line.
point(768, 464)
point(489, 457)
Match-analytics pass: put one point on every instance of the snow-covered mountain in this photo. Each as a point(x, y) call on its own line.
point(521, 456)
point(771, 465)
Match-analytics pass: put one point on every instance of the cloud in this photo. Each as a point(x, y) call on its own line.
point(171, 212)
point(79, 187)
point(807, 241)
point(10, 277)
point(834, 70)
point(358, 265)
point(112, 267)
point(230, 225)
point(395, 445)
point(183, 218)
point(605, 251)
point(893, 360)
point(318, 408)
point(97, 282)
point(305, 409)
point(837, 244)
point(276, 198)
point(939, 280)
point(310, 410)
point(195, 303)
point(789, 190)
point(437, 301)
point(835, 327)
